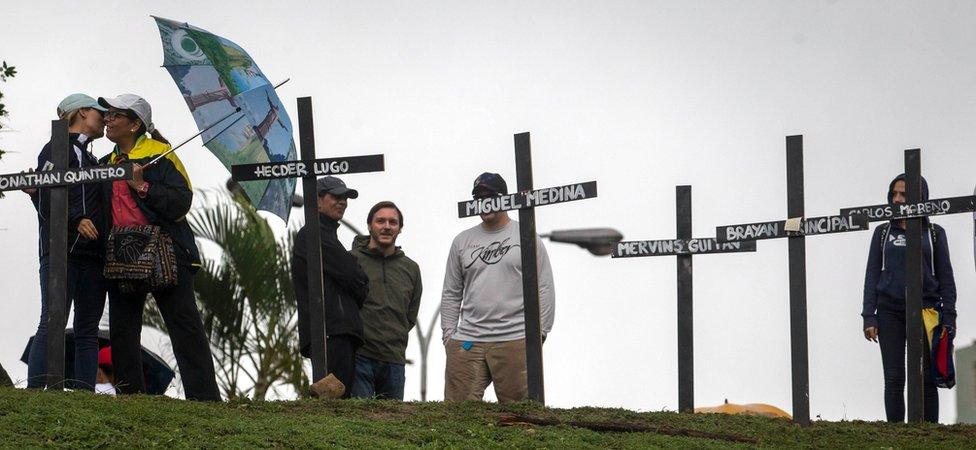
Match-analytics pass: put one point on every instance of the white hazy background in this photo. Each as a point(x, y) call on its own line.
point(640, 96)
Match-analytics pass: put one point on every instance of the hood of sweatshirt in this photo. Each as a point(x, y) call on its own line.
point(901, 177)
point(361, 244)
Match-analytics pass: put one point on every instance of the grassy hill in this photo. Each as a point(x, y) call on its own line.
point(33, 419)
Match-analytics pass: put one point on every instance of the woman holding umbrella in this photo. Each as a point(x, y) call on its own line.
point(151, 251)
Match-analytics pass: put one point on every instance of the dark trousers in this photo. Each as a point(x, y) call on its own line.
point(86, 289)
point(891, 336)
point(190, 344)
point(341, 358)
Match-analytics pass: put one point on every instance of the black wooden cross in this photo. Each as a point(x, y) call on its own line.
point(57, 180)
point(795, 229)
point(913, 210)
point(309, 169)
point(525, 200)
point(683, 247)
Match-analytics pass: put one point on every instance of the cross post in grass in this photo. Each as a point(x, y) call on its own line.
point(56, 181)
point(684, 247)
point(525, 201)
point(794, 230)
point(309, 169)
point(914, 210)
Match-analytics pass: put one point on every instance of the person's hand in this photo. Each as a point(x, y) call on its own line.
point(137, 181)
point(871, 334)
point(28, 191)
point(87, 229)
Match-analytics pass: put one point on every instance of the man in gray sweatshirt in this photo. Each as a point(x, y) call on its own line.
point(482, 310)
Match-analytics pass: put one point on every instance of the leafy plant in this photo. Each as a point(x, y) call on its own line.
point(6, 71)
point(246, 301)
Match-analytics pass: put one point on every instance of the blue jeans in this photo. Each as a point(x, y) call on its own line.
point(86, 288)
point(380, 379)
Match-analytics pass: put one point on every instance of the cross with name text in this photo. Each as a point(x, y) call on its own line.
point(525, 200)
point(683, 248)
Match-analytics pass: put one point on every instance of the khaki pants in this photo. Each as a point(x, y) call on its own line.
point(469, 372)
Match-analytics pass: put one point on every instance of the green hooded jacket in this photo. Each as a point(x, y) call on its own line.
point(390, 310)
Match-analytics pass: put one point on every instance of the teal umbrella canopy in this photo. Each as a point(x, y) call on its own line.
point(227, 93)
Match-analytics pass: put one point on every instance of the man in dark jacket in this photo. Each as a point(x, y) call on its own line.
point(345, 285)
point(390, 310)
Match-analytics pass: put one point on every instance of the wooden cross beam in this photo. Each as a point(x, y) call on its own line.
point(525, 200)
point(683, 248)
point(309, 169)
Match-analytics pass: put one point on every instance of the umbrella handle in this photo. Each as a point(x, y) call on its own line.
point(163, 155)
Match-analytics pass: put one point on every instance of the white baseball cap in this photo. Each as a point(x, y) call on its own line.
point(134, 103)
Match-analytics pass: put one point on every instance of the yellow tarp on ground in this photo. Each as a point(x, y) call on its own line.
point(752, 409)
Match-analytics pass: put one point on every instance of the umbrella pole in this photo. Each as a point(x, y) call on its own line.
point(163, 155)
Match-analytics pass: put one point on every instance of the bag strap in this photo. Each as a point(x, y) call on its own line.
point(885, 228)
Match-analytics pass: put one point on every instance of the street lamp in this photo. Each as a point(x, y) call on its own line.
point(597, 241)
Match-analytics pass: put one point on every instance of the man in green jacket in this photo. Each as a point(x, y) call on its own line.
point(390, 310)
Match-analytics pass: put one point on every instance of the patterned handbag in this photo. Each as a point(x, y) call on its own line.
point(140, 258)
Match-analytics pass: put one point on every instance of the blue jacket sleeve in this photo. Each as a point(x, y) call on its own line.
point(871, 277)
point(943, 272)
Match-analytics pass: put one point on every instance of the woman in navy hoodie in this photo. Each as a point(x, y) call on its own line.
point(884, 300)
point(87, 228)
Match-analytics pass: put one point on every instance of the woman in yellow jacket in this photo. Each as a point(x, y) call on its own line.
point(158, 194)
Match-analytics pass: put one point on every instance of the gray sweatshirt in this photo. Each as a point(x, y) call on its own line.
point(482, 297)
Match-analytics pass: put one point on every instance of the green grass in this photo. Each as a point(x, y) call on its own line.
point(38, 419)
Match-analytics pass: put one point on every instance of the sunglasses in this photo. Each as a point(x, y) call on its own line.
point(112, 115)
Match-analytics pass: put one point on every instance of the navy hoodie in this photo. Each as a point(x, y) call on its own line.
point(884, 280)
point(85, 201)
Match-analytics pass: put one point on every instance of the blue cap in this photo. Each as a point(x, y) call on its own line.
point(77, 101)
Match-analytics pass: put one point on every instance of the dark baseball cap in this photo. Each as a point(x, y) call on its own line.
point(489, 183)
point(334, 186)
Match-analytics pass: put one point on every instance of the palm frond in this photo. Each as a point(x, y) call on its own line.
point(246, 298)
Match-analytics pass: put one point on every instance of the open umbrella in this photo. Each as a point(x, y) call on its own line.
point(158, 375)
point(235, 106)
